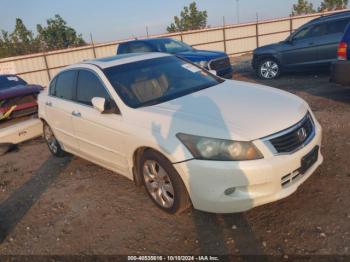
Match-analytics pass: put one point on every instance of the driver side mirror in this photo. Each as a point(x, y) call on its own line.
point(105, 106)
point(289, 41)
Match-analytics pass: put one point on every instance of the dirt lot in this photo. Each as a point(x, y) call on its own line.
point(70, 206)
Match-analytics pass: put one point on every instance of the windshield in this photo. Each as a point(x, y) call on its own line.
point(154, 81)
point(172, 46)
point(9, 81)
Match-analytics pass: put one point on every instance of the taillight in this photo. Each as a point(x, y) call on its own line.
point(343, 51)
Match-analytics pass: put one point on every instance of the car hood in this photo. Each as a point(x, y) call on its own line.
point(231, 110)
point(19, 90)
point(269, 48)
point(201, 55)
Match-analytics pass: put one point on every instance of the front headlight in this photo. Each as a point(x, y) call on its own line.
point(205, 148)
point(203, 64)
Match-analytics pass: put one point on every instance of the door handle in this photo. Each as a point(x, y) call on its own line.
point(312, 43)
point(77, 114)
point(48, 103)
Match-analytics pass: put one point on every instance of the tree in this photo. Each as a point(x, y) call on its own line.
point(331, 5)
point(190, 19)
point(57, 35)
point(5, 44)
point(303, 7)
point(21, 39)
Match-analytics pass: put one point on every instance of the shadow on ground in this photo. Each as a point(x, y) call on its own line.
point(13, 209)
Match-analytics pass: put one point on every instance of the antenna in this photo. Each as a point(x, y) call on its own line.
point(237, 10)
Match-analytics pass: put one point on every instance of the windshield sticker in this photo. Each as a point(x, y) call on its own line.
point(12, 78)
point(191, 68)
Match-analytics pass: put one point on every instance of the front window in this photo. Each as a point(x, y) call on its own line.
point(303, 33)
point(172, 46)
point(88, 87)
point(154, 81)
point(9, 81)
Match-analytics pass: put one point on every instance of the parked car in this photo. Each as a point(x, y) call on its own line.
point(211, 60)
point(313, 46)
point(341, 69)
point(18, 111)
point(187, 135)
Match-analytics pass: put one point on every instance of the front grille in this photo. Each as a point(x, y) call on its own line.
point(296, 136)
point(219, 64)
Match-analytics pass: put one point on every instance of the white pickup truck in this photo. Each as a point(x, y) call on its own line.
point(18, 111)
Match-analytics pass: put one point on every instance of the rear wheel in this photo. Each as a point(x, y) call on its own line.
point(268, 69)
point(163, 184)
point(52, 142)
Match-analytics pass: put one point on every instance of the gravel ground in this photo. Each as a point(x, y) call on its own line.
point(70, 206)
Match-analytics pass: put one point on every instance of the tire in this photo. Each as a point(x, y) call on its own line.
point(51, 141)
point(268, 68)
point(163, 184)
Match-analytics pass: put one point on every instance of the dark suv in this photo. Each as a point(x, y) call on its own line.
point(312, 46)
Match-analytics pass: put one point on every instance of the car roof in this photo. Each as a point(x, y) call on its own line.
point(149, 40)
point(107, 62)
point(326, 18)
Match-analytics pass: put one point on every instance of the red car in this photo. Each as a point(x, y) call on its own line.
point(18, 111)
point(17, 98)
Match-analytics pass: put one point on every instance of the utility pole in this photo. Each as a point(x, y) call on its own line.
point(147, 31)
point(237, 10)
point(93, 45)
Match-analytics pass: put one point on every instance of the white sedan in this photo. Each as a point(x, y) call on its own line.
point(190, 137)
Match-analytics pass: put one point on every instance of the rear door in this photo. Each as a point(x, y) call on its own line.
point(100, 136)
point(328, 43)
point(59, 107)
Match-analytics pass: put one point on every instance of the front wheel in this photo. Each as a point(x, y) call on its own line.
point(163, 184)
point(52, 142)
point(268, 69)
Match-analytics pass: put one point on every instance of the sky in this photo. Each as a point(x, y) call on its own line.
point(109, 20)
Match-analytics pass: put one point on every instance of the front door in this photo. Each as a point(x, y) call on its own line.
point(300, 52)
point(99, 135)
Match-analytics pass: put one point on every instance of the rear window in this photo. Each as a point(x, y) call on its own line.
point(123, 49)
point(65, 85)
point(338, 26)
point(139, 47)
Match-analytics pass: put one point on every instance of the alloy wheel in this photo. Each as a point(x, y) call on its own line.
point(269, 69)
point(158, 183)
point(50, 139)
